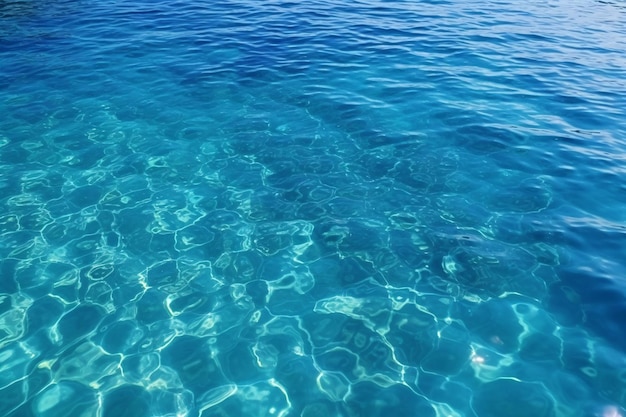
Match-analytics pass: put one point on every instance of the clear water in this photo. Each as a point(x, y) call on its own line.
point(314, 208)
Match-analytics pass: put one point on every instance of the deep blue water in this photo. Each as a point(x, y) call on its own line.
point(313, 209)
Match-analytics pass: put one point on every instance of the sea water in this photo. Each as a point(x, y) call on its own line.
point(312, 208)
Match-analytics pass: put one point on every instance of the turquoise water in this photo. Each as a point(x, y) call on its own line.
point(314, 208)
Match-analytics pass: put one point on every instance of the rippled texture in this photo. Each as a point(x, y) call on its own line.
point(315, 208)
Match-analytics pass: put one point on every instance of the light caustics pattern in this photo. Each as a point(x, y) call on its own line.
point(314, 208)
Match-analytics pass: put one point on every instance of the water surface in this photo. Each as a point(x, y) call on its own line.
point(314, 208)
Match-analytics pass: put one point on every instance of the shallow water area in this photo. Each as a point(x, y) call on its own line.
point(311, 209)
